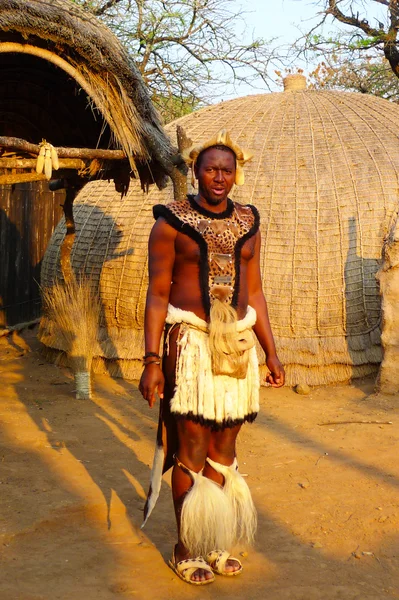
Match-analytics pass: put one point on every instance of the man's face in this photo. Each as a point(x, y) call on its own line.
point(216, 174)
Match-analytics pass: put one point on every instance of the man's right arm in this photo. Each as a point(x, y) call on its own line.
point(161, 258)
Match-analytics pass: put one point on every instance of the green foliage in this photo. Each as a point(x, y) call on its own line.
point(172, 108)
point(364, 43)
point(315, 39)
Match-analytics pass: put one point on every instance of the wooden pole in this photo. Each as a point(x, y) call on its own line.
point(65, 165)
point(179, 175)
point(12, 178)
point(30, 163)
point(13, 143)
point(66, 246)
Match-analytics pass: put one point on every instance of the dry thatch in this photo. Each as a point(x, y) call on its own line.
point(64, 35)
point(388, 276)
point(75, 309)
point(324, 178)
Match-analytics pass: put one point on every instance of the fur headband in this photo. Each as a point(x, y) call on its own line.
point(222, 138)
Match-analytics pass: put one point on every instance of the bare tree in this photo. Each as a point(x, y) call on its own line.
point(365, 27)
point(187, 50)
point(369, 75)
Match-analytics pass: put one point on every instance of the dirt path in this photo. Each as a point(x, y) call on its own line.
point(73, 475)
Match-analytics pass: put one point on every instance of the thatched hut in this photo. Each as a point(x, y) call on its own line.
point(324, 178)
point(388, 277)
point(66, 79)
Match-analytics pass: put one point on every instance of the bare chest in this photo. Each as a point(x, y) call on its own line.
point(189, 251)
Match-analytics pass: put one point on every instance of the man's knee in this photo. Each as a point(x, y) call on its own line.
point(193, 443)
point(222, 445)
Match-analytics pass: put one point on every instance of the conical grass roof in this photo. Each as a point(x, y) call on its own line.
point(324, 178)
point(46, 44)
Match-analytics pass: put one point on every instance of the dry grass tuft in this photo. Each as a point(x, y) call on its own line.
point(75, 309)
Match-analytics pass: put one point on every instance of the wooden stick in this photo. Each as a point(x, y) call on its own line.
point(179, 178)
point(19, 327)
point(30, 163)
point(21, 178)
point(12, 178)
point(356, 423)
point(66, 246)
point(14, 143)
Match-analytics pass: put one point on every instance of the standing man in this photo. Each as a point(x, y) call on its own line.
point(205, 284)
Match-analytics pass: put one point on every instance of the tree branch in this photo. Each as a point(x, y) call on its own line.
point(352, 20)
point(98, 12)
point(186, 38)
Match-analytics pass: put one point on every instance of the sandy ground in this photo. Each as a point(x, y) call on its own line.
point(73, 475)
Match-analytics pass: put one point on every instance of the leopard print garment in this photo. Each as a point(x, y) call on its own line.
point(220, 237)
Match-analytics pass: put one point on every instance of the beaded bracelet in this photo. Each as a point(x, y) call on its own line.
point(149, 354)
point(152, 362)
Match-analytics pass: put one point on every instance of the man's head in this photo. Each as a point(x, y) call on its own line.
point(215, 170)
point(224, 143)
point(216, 147)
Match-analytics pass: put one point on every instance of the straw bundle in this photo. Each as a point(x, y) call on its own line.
point(111, 239)
point(74, 310)
point(324, 178)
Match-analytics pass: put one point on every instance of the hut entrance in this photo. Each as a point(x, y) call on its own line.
point(38, 101)
point(73, 108)
point(28, 214)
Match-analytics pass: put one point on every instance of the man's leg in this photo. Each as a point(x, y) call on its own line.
point(193, 450)
point(222, 449)
point(193, 441)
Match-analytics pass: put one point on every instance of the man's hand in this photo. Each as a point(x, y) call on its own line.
point(152, 381)
point(276, 376)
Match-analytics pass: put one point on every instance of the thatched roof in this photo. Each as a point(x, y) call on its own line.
point(67, 50)
point(324, 178)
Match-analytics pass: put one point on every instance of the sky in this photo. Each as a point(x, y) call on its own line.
point(278, 18)
point(282, 19)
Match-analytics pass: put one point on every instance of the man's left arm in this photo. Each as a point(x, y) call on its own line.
point(262, 328)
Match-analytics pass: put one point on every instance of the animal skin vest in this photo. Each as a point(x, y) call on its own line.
point(220, 237)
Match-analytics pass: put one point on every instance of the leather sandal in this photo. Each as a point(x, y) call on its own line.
point(187, 567)
point(217, 560)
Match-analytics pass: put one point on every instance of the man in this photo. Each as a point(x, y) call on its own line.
point(205, 283)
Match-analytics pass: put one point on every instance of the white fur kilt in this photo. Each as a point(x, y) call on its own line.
point(215, 400)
